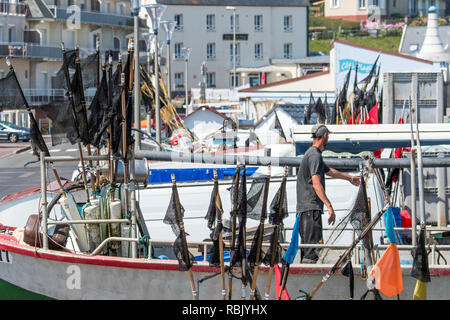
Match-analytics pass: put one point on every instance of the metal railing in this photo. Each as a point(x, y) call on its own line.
point(101, 18)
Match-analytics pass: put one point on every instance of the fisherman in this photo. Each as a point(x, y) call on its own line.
point(311, 194)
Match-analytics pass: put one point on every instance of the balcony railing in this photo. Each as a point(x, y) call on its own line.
point(43, 96)
point(12, 8)
point(32, 50)
point(101, 18)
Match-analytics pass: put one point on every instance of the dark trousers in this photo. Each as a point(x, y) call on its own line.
point(310, 230)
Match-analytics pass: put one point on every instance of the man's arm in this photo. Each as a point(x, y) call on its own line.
point(318, 188)
point(355, 180)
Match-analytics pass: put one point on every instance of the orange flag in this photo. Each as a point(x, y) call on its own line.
point(387, 272)
point(285, 294)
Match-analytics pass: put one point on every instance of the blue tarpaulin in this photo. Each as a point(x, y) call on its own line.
point(193, 174)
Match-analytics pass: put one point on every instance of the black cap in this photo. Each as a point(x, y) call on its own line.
point(319, 130)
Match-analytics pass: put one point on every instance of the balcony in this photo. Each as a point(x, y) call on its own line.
point(36, 51)
point(29, 50)
point(99, 18)
point(12, 8)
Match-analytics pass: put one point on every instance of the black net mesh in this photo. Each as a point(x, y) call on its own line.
point(99, 118)
point(273, 253)
point(10, 97)
point(309, 109)
point(347, 271)
point(255, 198)
point(37, 142)
point(171, 216)
point(240, 253)
point(89, 66)
point(319, 108)
point(275, 217)
point(63, 128)
point(80, 108)
point(420, 269)
point(215, 225)
point(71, 122)
point(254, 248)
point(358, 217)
point(184, 262)
point(174, 219)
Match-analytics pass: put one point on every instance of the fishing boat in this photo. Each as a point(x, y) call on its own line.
point(113, 235)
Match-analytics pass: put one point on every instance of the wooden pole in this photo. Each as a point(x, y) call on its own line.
point(276, 235)
point(233, 229)
point(348, 251)
point(219, 222)
point(261, 235)
point(183, 235)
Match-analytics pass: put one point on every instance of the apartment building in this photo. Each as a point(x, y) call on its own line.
point(31, 33)
point(360, 10)
point(265, 31)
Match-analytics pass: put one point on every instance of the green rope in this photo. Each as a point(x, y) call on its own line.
point(145, 240)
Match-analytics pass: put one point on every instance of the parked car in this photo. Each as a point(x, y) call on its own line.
point(11, 132)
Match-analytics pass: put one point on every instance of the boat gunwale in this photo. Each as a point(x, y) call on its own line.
point(10, 244)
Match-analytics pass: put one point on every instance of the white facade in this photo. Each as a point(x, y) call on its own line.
point(263, 33)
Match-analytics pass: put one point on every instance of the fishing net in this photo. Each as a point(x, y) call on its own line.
point(175, 220)
point(99, 118)
point(215, 225)
point(240, 253)
point(255, 198)
point(254, 248)
point(358, 218)
point(420, 269)
point(309, 109)
point(65, 127)
point(273, 253)
point(347, 271)
point(89, 65)
point(10, 97)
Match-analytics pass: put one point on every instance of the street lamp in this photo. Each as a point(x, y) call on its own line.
point(149, 37)
point(135, 8)
point(169, 27)
point(230, 8)
point(155, 12)
point(186, 53)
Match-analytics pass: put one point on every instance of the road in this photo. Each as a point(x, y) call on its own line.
point(15, 177)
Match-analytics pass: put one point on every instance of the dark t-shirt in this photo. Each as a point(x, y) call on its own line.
point(312, 164)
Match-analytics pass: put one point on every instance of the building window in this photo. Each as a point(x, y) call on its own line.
point(236, 80)
point(232, 22)
point(94, 40)
point(210, 79)
point(210, 22)
point(179, 20)
point(287, 26)
point(178, 54)
point(179, 80)
point(237, 50)
point(374, 3)
point(394, 3)
point(287, 51)
point(334, 3)
point(211, 51)
point(258, 51)
point(258, 23)
point(362, 4)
